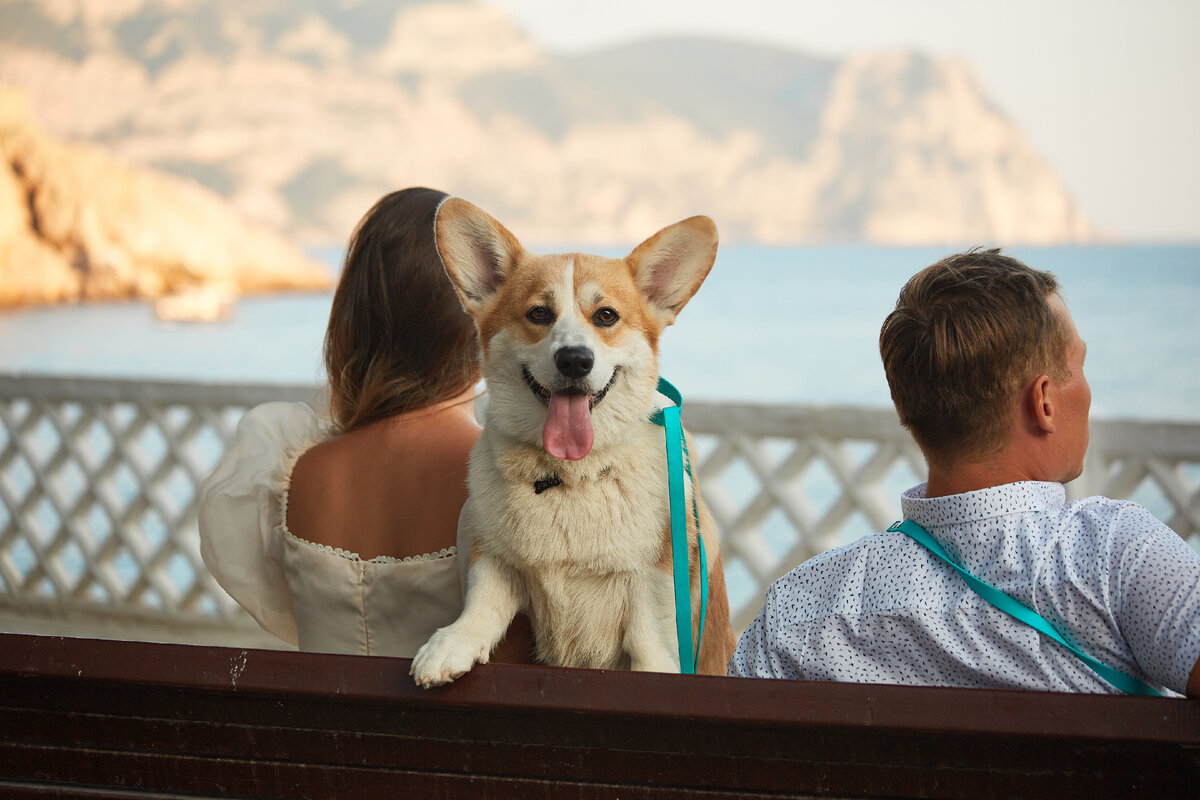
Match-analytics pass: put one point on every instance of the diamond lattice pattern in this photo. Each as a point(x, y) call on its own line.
point(98, 485)
point(99, 505)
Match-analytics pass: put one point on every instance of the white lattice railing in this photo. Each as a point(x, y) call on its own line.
point(98, 516)
point(98, 479)
point(788, 482)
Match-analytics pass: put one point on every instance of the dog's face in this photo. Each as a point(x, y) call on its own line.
point(569, 342)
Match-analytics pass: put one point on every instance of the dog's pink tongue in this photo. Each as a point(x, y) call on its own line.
point(568, 432)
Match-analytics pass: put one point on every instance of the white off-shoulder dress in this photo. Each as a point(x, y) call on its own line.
point(317, 597)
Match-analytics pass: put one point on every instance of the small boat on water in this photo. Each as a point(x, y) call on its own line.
point(206, 303)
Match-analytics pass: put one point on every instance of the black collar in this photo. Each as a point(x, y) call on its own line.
point(546, 483)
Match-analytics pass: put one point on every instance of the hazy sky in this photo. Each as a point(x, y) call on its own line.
point(1106, 91)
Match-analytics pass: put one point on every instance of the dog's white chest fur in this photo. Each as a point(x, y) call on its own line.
point(586, 551)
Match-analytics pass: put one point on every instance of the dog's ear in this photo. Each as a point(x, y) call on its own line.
point(477, 251)
point(670, 266)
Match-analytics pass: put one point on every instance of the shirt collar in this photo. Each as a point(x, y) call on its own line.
point(995, 501)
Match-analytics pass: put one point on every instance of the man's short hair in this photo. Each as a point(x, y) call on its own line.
point(966, 335)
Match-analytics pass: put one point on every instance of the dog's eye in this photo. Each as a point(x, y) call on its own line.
point(540, 315)
point(606, 317)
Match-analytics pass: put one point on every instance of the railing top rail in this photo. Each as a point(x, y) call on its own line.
point(1163, 438)
point(765, 419)
point(132, 390)
point(791, 421)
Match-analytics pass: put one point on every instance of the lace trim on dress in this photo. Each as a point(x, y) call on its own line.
point(445, 552)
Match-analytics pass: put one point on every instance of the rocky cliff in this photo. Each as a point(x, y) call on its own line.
point(302, 114)
point(77, 225)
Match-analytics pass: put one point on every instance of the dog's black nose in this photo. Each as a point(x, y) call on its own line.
point(574, 362)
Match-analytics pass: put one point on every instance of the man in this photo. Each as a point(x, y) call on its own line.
point(986, 370)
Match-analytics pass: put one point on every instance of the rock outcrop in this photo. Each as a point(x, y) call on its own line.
point(910, 149)
point(76, 225)
point(301, 115)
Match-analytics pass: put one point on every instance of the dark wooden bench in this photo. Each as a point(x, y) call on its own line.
point(93, 718)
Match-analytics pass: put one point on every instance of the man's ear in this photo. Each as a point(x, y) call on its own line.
point(1039, 404)
point(476, 250)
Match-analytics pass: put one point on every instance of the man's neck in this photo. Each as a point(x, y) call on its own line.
point(962, 477)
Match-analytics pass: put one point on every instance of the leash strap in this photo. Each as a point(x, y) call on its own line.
point(678, 460)
point(1015, 609)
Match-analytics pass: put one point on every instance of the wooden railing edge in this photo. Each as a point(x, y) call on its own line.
point(502, 686)
point(74, 711)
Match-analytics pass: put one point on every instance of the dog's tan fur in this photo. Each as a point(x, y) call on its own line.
point(589, 559)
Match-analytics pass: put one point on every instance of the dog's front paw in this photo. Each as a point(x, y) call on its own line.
point(446, 656)
point(655, 662)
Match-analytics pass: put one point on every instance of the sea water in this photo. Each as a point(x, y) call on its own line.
point(778, 325)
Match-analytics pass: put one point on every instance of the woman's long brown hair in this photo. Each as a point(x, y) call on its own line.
point(398, 340)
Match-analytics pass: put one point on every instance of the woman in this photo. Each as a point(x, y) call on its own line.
point(341, 537)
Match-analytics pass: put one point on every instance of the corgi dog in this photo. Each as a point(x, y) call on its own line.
point(567, 511)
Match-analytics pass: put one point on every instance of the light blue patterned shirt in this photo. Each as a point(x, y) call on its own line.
point(1117, 583)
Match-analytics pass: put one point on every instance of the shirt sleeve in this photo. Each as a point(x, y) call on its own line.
point(755, 655)
point(1159, 598)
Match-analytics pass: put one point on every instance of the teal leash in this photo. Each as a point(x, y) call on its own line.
point(679, 460)
point(1022, 613)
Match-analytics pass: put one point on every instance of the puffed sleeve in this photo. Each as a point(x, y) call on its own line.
point(240, 511)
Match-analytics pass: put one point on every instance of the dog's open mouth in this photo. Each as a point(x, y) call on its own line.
point(544, 394)
point(568, 431)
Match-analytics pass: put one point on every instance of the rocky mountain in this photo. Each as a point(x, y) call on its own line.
point(76, 225)
point(302, 114)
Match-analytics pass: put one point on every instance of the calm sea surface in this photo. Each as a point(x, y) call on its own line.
point(796, 325)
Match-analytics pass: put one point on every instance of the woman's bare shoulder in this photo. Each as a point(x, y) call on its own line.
point(391, 488)
point(321, 485)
